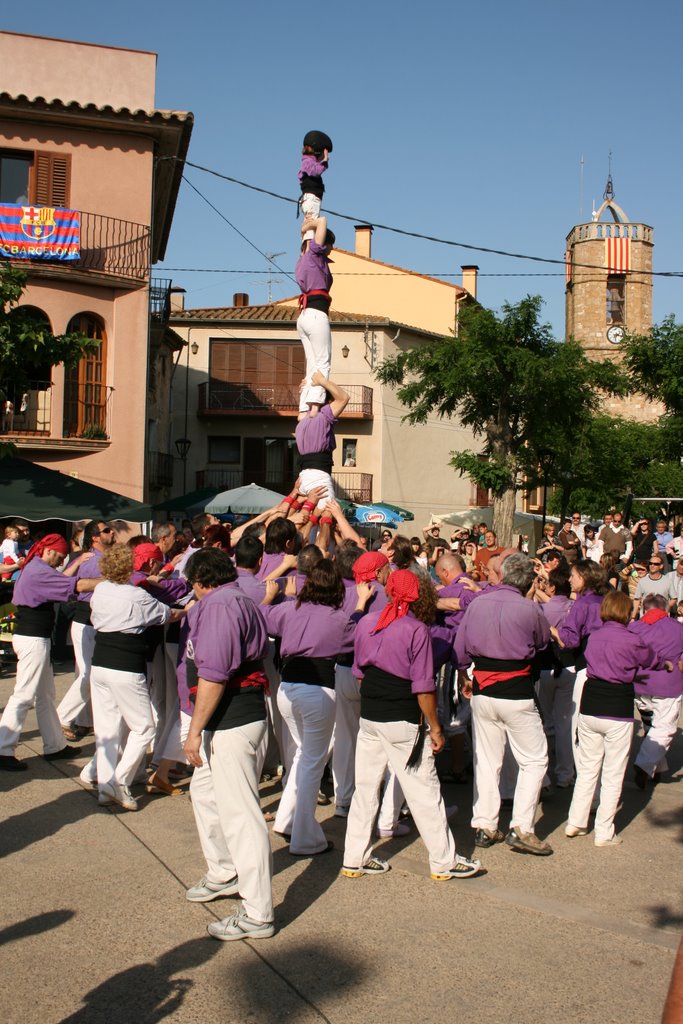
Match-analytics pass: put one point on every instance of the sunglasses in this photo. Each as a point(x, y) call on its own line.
point(654, 563)
point(107, 529)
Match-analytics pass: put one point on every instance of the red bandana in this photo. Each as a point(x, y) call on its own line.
point(366, 567)
point(52, 542)
point(145, 553)
point(403, 588)
point(654, 615)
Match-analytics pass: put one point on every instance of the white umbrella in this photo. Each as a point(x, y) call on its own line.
point(248, 500)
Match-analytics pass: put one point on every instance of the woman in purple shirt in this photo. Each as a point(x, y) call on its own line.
point(313, 276)
point(314, 631)
point(614, 657)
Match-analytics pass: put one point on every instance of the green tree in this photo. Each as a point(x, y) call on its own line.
point(517, 388)
point(655, 364)
point(27, 344)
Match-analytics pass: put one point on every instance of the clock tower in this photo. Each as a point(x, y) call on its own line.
point(609, 288)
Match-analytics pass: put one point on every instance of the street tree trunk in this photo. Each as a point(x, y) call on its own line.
point(504, 517)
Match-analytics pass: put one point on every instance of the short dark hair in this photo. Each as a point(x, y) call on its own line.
point(323, 586)
point(347, 554)
point(217, 534)
point(307, 559)
point(91, 531)
point(211, 568)
point(248, 552)
point(655, 601)
point(279, 533)
point(199, 524)
point(559, 579)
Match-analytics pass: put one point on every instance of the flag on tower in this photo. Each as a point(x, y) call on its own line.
point(618, 255)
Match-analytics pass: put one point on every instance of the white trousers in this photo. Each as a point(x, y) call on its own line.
point(35, 682)
point(665, 713)
point(379, 744)
point(75, 704)
point(346, 724)
point(313, 327)
point(579, 683)
point(232, 830)
point(495, 720)
point(120, 698)
point(603, 743)
point(309, 714)
point(310, 478)
point(556, 698)
point(310, 207)
point(283, 736)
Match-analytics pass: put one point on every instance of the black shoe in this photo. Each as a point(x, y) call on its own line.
point(9, 763)
point(640, 777)
point(484, 837)
point(65, 754)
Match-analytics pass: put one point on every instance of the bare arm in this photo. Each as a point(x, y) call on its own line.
point(345, 529)
point(340, 398)
point(427, 702)
point(318, 225)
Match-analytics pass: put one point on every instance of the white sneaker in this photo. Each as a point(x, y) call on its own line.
point(614, 841)
point(571, 831)
point(239, 926)
point(463, 868)
point(205, 891)
point(113, 792)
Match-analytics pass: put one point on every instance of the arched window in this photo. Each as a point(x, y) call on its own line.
point(85, 390)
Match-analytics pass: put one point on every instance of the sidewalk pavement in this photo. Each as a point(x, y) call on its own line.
point(96, 928)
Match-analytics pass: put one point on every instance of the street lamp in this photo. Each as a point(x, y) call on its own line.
point(546, 457)
point(183, 445)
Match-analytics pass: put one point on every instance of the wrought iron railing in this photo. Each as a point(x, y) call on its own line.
point(160, 469)
point(114, 246)
point(26, 410)
point(160, 300)
point(356, 487)
point(219, 398)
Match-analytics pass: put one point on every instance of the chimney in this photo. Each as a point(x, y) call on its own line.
point(469, 279)
point(177, 298)
point(364, 240)
point(240, 299)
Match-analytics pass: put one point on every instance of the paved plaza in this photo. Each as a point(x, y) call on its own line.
point(95, 926)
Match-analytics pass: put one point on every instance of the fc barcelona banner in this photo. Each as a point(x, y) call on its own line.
point(39, 233)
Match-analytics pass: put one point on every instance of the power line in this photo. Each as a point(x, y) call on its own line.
point(347, 273)
point(410, 234)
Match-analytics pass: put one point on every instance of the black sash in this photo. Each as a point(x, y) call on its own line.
point(387, 698)
point(312, 671)
point(81, 613)
point(37, 621)
point(603, 699)
point(519, 687)
point(124, 652)
point(317, 460)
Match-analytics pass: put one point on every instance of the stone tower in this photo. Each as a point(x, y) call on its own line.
point(609, 289)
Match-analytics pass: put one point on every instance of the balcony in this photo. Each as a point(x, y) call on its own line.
point(160, 469)
point(27, 417)
point(109, 246)
point(160, 301)
point(217, 398)
point(355, 487)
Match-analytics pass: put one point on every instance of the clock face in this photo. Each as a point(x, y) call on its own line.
point(615, 334)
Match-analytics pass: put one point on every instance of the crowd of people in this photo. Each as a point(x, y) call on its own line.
point(291, 645)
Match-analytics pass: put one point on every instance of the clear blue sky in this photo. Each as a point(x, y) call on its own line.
point(463, 121)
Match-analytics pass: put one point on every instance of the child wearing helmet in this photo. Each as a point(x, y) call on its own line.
point(314, 157)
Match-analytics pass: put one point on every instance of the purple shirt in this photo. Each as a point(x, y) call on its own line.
point(617, 655)
point(89, 570)
point(665, 637)
point(557, 609)
point(168, 591)
point(404, 648)
point(582, 620)
point(501, 624)
point(251, 585)
point(457, 588)
point(225, 630)
point(271, 562)
point(316, 433)
point(312, 271)
point(311, 630)
point(39, 583)
point(311, 167)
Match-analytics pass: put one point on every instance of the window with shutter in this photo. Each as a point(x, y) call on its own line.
point(50, 180)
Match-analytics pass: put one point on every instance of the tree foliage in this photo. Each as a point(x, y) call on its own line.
point(507, 379)
point(26, 342)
